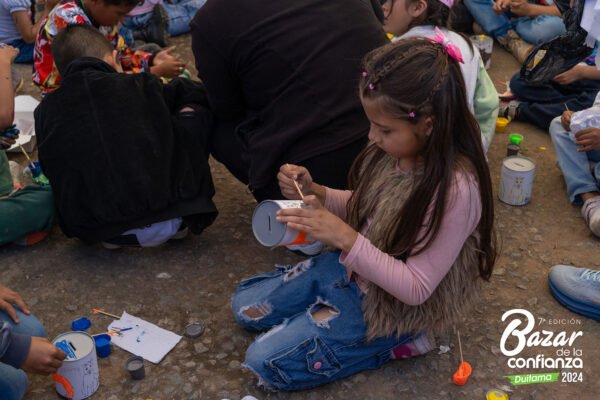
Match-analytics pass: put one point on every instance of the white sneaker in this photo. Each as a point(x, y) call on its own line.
point(591, 214)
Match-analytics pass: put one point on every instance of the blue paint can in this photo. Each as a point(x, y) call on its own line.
point(102, 345)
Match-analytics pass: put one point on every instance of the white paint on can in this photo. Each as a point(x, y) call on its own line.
point(80, 368)
point(516, 180)
point(270, 232)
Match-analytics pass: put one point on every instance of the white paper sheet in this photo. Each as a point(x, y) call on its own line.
point(143, 339)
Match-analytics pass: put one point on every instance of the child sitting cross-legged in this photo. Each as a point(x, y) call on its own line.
point(578, 152)
point(125, 154)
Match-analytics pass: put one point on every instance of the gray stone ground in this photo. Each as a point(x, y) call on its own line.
point(61, 279)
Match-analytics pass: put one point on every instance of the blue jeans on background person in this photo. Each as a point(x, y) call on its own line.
point(180, 14)
point(299, 351)
point(14, 382)
point(536, 30)
point(575, 166)
point(541, 104)
point(133, 23)
point(25, 51)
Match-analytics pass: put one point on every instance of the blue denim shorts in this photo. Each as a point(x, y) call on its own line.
point(299, 351)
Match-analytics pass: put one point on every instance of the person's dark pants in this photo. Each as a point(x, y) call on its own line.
point(329, 169)
point(541, 104)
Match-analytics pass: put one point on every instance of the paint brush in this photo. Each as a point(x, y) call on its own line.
point(98, 311)
point(26, 155)
point(566, 107)
point(298, 189)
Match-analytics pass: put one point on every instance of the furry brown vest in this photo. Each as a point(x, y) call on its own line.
point(450, 301)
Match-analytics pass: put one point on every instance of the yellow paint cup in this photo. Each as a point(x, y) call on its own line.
point(501, 124)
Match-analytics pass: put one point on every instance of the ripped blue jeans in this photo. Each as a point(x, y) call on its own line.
point(302, 349)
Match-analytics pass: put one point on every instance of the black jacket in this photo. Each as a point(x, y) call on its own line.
point(116, 155)
point(289, 71)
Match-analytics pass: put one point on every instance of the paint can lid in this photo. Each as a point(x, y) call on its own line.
point(267, 230)
point(194, 330)
point(80, 324)
point(515, 138)
point(519, 164)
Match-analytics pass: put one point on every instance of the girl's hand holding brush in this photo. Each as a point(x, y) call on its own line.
point(319, 223)
point(293, 177)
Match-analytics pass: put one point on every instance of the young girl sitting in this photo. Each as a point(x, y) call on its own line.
point(419, 18)
point(414, 234)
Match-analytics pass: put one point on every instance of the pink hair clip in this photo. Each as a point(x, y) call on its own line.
point(364, 74)
point(371, 86)
point(412, 114)
point(450, 48)
point(447, 3)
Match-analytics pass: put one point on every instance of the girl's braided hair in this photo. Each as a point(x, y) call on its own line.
point(385, 66)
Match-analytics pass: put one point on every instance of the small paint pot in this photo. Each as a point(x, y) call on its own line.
point(194, 330)
point(135, 366)
point(516, 180)
point(270, 232)
point(102, 345)
point(501, 124)
point(80, 324)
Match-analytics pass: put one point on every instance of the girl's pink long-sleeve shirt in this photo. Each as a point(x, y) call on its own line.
point(412, 282)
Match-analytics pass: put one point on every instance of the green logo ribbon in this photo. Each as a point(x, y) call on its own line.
point(528, 379)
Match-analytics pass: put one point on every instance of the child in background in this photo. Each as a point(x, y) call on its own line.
point(414, 235)
point(575, 152)
point(26, 213)
point(540, 104)
point(16, 27)
point(152, 20)
point(126, 156)
point(518, 25)
point(419, 18)
point(23, 346)
point(104, 15)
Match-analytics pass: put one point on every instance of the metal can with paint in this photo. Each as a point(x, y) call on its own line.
point(78, 377)
point(485, 44)
point(270, 232)
point(516, 180)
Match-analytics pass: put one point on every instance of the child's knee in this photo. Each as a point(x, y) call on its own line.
point(29, 325)
point(249, 315)
point(556, 128)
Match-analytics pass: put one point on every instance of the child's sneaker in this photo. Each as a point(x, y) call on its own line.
point(420, 345)
point(591, 214)
point(32, 238)
point(509, 109)
point(578, 289)
point(181, 233)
